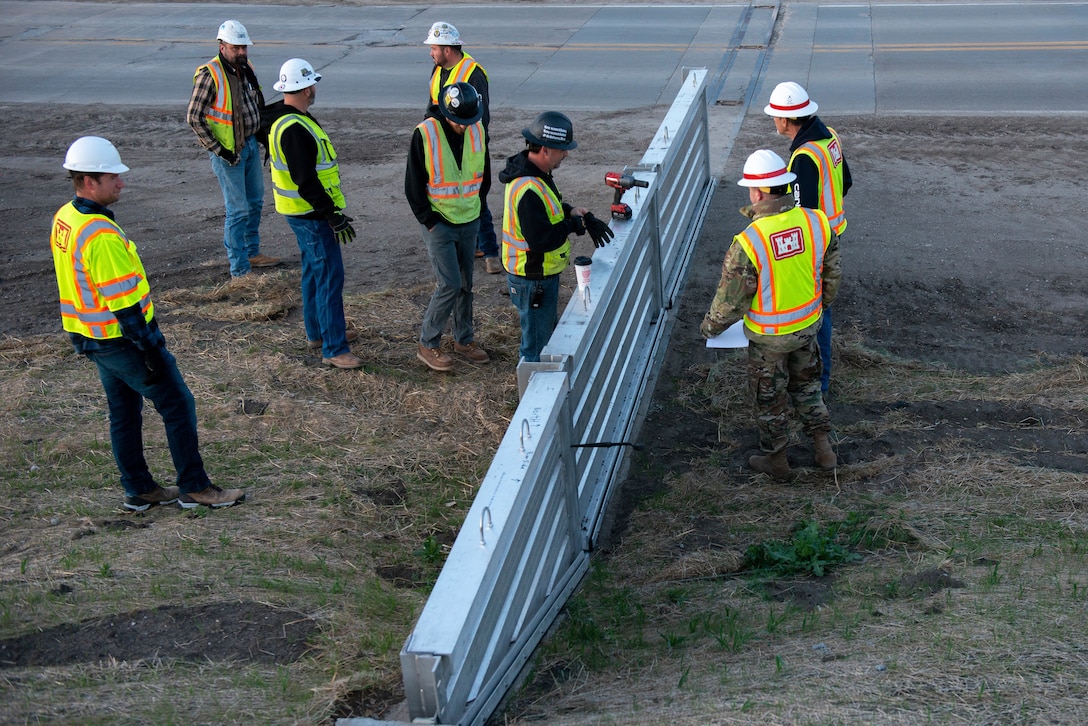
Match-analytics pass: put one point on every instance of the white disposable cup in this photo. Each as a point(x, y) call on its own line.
point(582, 270)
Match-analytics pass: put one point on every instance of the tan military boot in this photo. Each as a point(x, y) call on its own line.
point(825, 455)
point(776, 464)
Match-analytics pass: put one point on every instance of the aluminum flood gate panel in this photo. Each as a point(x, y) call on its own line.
point(525, 543)
point(498, 574)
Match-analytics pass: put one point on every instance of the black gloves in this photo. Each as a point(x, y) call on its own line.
point(228, 156)
point(341, 227)
point(579, 224)
point(599, 231)
point(156, 365)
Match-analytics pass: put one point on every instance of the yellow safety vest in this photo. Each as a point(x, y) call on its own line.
point(827, 155)
point(220, 116)
point(284, 189)
point(458, 74)
point(98, 272)
point(515, 249)
point(454, 191)
point(788, 250)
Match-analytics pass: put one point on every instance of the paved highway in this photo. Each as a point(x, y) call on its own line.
point(931, 58)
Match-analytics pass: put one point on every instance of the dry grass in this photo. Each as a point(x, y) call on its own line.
point(967, 607)
point(348, 474)
point(351, 473)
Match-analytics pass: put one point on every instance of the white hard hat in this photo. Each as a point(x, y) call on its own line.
point(296, 74)
point(790, 100)
point(765, 168)
point(442, 33)
point(233, 33)
point(93, 154)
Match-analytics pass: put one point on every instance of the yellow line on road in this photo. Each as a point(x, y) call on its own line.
point(953, 47)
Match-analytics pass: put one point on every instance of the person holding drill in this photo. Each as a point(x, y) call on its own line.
point(106, 309)
point(453, 65)
point(779, 275)
point(536, 224)
point(823, 176)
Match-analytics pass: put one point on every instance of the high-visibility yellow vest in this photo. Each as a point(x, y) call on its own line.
point(788, 250)
point(827, 155)
point(458, 74)
point(515, 249)
point(220, 116)
point(98, 272)
point(284, 189)
point(454, 191)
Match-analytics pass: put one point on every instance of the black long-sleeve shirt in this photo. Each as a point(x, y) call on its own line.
point(300, 151)
point(808, 173)
point(416, 176)
point(536, 226)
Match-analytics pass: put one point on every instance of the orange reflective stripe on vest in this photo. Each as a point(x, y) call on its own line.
point(220, 116)
point(515, 249)
point(788, 250)
point(827, 155)
point(458, 74)
point(454, 189)
point(98, 271)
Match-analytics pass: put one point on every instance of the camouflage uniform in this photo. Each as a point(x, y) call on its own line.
point(780, 367)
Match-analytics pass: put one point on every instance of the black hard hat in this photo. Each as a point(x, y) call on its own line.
point(460, 104)
point(551, 129)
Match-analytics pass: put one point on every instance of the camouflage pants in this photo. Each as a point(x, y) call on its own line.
point(777, 378)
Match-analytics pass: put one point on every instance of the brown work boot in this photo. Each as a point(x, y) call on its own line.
point(213, 496)
point(344, 361)
point(775, 465)
point(492, 265)
point(260, 260)
point(351, 337)
point(158, 495)
point(435, 358)
point(473, 352)
point(825, 455)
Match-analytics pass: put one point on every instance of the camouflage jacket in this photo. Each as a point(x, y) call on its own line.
point(740, 280)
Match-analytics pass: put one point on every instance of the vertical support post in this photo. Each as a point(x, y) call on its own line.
point(655, 251)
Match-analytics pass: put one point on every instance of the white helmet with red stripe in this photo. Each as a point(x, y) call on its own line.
point(765, 168)
point(790, 100)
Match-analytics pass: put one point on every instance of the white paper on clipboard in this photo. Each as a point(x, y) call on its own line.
point(731, 337)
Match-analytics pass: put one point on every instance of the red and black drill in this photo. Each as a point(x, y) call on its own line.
point(621, 183)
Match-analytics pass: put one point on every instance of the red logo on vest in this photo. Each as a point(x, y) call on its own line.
point(787, 243)
point(61, 236)
point(835, 151)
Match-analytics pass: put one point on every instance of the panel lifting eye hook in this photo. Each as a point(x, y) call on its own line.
point(525, 434)
point(487, 511)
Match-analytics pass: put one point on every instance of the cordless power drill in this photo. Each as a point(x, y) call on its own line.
point(621, 183)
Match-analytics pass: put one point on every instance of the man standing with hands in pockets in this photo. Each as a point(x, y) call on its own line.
point(224, 113)
point(447, 175)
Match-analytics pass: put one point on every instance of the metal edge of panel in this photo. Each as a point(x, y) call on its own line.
point(493, 692)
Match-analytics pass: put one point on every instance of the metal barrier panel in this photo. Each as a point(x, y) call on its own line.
point(526, 540)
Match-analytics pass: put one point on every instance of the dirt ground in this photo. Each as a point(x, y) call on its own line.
point(957, 254)
point(964, 249)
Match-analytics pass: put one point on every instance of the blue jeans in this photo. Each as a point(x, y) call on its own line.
point(322, 285)
point(451, 248)
point(123, 373)
point(486, 241)
point(243, 197)
point(823, 340)
point(537, 323)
